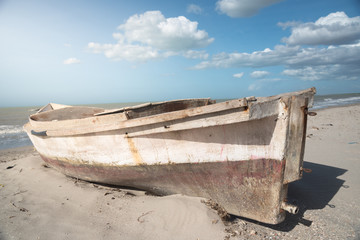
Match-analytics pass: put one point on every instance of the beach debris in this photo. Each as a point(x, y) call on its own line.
point(10, 167)
point(312, 114)
point(108, 226)
point(223, 214)
point(142, 215)
point(253, 232)
point(238, 227)
point(241, 229)
point(353, 143)
point(306, 170)
point(45, 165)
point(215, 221)
point(135, 193)
point(22, 209)
point(20, 192)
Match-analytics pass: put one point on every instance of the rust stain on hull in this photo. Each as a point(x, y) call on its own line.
point(134, 152)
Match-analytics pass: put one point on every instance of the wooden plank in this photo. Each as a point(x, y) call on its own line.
point(66, 129)
point(307, 93)
point(76, 123)
point(189, 103)
point(241, 115)
point(295, 139)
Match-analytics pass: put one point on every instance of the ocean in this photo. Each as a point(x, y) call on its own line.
point(12, 119)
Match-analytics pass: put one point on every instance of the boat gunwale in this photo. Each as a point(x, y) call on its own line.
point(119, 120)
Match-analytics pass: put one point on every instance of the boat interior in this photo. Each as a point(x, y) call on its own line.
point(138, 111)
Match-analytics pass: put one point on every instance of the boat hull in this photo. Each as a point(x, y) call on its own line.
point(241, 154)
point(252, 189)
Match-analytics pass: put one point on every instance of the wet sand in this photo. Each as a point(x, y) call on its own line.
point(37, 202)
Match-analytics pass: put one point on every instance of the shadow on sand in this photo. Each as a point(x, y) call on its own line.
point(314, 191)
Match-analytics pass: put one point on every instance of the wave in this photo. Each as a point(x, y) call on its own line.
point(11, 129)
point(333, 101)
point(13, 136)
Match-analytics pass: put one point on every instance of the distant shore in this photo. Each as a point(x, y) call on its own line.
point(38, 202)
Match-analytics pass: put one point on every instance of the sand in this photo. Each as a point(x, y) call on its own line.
point(37, 202)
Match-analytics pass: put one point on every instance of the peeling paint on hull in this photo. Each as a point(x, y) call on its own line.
point(247, 188)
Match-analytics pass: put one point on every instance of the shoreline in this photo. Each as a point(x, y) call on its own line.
point(41, 203)
point(26, 148)
point(11, 154)
point(331, 107)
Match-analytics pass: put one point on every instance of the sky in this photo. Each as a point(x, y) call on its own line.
point(92, 51)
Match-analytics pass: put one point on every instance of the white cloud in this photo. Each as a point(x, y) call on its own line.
point(71, 61)
point(193, 8)
point(152, 36)
point(334, 29)
point(333, 72)
point(120, 51)
point(256, 59)
point(259, 74)
point(153, 29)
point(243, 8)
point(307, 73)
point(238, 75)
point(192, 54)
point(336, 61)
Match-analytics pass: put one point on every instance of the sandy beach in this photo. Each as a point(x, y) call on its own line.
point(38, 202)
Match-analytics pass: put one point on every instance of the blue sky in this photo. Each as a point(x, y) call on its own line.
point(83, 52)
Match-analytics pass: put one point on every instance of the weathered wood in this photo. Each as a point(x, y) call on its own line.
point(241, 153)
point(52, 106)
point(120, 121)
point(148, 109)
point(214, 119)
point(296, 134)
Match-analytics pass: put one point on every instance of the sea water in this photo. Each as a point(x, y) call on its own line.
point(11, 127)
point(12, 119)
point(334, 100)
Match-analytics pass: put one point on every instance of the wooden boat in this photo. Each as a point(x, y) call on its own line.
point(240, 153)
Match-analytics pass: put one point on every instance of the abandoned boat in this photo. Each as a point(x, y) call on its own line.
point(240, 153)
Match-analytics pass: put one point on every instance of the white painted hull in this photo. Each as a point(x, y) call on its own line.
point(241, 153)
